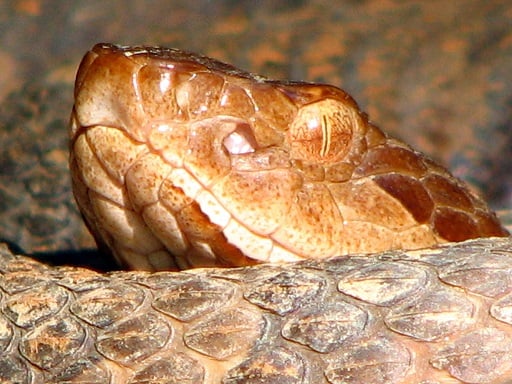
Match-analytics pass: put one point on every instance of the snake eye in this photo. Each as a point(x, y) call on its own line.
point(322, 131)
point(241, 140)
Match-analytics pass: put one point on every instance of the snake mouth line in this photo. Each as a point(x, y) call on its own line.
point(257, 246)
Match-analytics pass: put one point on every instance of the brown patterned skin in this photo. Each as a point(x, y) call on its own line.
point(179, 160)
point(441, 315)
point(432, 316)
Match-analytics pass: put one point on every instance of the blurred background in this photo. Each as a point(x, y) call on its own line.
point(437, 74)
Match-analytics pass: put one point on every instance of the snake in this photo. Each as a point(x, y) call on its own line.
point(352, 257)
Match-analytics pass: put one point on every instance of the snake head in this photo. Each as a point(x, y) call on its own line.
point(180, 160)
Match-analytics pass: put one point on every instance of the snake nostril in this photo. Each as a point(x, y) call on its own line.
point(241, 140)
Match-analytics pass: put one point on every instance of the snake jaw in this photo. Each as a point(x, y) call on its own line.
point(180, 160)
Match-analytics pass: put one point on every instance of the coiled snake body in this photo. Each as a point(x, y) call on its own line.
point(178, 160)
